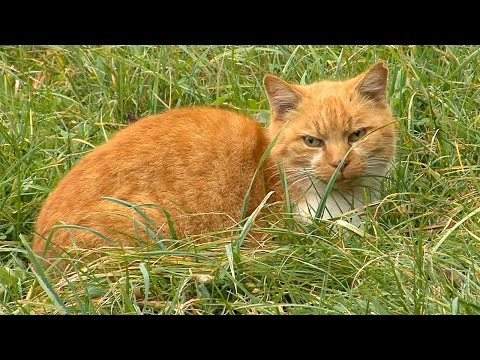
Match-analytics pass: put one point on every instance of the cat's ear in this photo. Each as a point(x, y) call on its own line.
point(373, 83)
point(282, 96)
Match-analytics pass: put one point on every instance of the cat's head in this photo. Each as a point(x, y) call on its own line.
point(324, 122)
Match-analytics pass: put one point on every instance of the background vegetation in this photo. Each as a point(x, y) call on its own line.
point(421, 251)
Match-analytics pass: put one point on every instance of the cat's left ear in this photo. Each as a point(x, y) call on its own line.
point(282, 96)
point(373, 83)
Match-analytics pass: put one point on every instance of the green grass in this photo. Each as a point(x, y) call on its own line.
point(422, 248)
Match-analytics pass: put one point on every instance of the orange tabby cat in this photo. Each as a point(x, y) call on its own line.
point(197, 164)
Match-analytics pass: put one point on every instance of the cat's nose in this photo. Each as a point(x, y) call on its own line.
point(337, 162)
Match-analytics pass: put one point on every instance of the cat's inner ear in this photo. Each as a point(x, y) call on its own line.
point(373, 83)
point(282, 96)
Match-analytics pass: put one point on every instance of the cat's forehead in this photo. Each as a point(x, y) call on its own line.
point(324, 87)
point(328, 98)
point(328, 107)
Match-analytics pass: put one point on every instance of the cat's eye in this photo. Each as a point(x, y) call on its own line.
point(356, 135)
point(313, 141)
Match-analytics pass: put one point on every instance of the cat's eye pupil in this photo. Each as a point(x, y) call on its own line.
point(356, 135)
point(312, 141)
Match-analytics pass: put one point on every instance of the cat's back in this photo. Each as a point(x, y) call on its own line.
point(189, 127)
point(191, 121)
point(186, 142)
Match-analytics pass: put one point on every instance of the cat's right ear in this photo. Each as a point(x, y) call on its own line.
point(373, 83)
point(282, 96)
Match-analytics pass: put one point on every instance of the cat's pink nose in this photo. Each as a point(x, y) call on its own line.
point(337, 162)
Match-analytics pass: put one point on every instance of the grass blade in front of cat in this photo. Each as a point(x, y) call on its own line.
point(42, 278)
point(138, 209)
point(250, 221)
point(264, 157)
point(146, 281)
point(328, 188)
point(154, 235)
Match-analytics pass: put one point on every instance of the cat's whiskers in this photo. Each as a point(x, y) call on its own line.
point(297, 175)
point(300, 180)
point(308, 182)
point(377, 166)
point(289, 172)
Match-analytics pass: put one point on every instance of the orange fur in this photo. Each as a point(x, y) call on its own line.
point(198, 163)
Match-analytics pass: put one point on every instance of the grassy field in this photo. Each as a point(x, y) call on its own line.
point(421, 251)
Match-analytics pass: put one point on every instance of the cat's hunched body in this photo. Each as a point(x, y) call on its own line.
point(197, 164)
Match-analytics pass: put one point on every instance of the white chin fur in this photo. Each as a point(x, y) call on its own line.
point(338, 202)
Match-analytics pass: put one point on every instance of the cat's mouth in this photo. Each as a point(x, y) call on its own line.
point(341, 181)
